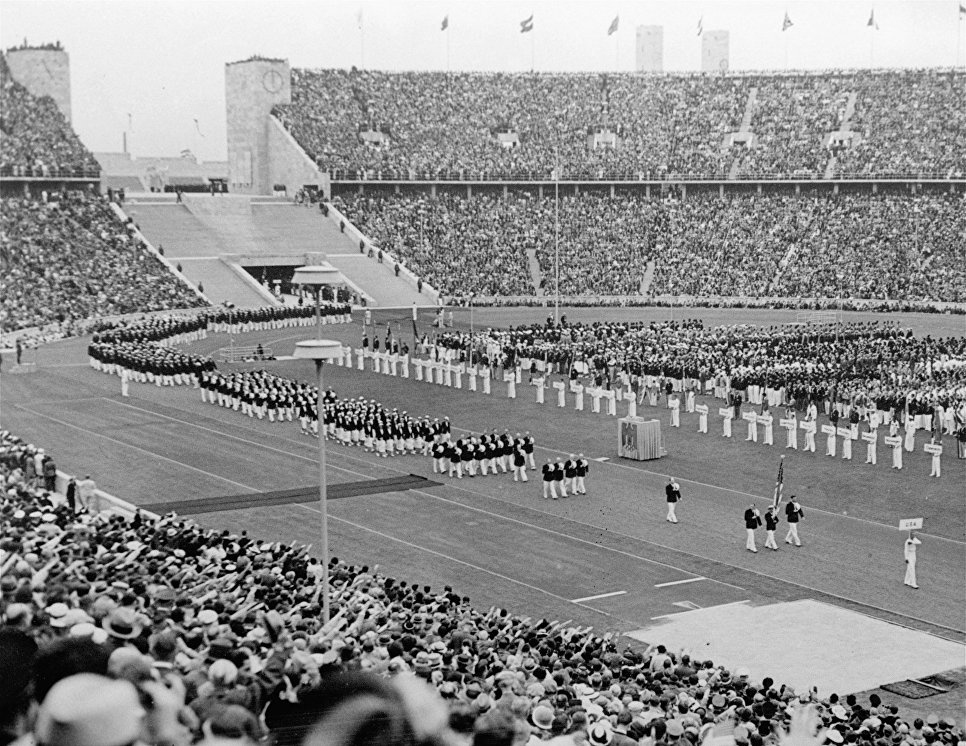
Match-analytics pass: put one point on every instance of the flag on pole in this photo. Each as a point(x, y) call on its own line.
point(445, 24)
point(872, 22)
point(779, 484)
point(359, 19)
point(787, 23)
point(962, 11)
point(700, 25)
point(613, 25)
point(526, 25)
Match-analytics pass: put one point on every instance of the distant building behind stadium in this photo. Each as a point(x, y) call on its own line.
point(715, 51)
point(650, 49)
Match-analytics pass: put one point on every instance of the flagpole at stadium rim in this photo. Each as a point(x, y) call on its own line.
point(556, 236)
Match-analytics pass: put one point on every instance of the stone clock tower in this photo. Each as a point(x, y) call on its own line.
point(252, 88)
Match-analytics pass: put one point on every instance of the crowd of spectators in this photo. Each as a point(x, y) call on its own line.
point(791, 119)
point(908, 123)
point(37, 138)
point(147, 630)
point(441, 126)
point(67, 256)
point(460, 246)
point(856, 246)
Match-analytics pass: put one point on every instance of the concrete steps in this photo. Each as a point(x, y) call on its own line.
point(221, 283)
point(378, 280)
point(536, 276)
point(749, 110)
point(197, 248)
point(647, 278)
point(230, 218)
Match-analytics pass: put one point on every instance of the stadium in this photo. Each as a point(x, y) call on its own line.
point(487, 405)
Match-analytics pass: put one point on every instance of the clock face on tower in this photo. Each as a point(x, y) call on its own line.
point(272, 81)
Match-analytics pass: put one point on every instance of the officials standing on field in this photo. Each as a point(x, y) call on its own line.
point(672, 493)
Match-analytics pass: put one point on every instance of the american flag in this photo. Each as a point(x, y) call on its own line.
point(779, 484)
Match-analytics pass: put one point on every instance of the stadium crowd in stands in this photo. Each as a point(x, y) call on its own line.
point(69, 257)
point(148, 630)
point(846, 246)
point(37, 139)
point(435, 126)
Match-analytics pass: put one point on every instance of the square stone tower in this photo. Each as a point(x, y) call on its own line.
point(715, 47)
point(252, 88)
point(44, 71)
point(650, 49)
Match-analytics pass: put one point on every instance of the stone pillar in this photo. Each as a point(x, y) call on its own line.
point(43, 72)
point(252, 88)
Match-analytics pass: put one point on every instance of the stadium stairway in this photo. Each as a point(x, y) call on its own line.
point(749, 110)
point(228, 216)
point(341, 250)
point(536, 276)
point(197, 248)
point(647, 278)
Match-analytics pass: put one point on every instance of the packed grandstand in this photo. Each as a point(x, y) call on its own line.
point(442, 126)
point(175, 633)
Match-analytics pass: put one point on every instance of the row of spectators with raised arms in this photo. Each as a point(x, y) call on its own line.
point(142, 630)
point(68, 256)
point(443, 125)
point(37, 139)
point(845, 246)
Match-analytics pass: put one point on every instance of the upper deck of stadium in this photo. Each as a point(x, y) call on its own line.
point(365, 125)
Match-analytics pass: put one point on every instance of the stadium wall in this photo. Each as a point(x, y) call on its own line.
point(43, 72)
point(288, 164)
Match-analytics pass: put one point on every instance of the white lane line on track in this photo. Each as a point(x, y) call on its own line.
point(136, 448)
point(680, 582)
point(616, 533)
point(491, 514)
point(448, 558)
point(703, 608)
point(599, 595)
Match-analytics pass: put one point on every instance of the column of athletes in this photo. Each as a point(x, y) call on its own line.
point(763, 411)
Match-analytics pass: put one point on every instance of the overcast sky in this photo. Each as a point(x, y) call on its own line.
point(163, 61)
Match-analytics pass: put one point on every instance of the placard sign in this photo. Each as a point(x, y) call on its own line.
point(908, 524)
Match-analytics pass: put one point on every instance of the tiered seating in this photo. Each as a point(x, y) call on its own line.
point(71, 258)
point(849, 246)
point(37, 139)
point(164, 631)
point(911, 123)
point(441, 126)
point(791, 119)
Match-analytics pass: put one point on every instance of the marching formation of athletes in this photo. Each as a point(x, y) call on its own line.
point(143, 352)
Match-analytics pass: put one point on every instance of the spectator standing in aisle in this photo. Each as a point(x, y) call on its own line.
point(793, 514)
point(672, 492)
point(910, 554)
point(752, 522)
point(771, 524)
